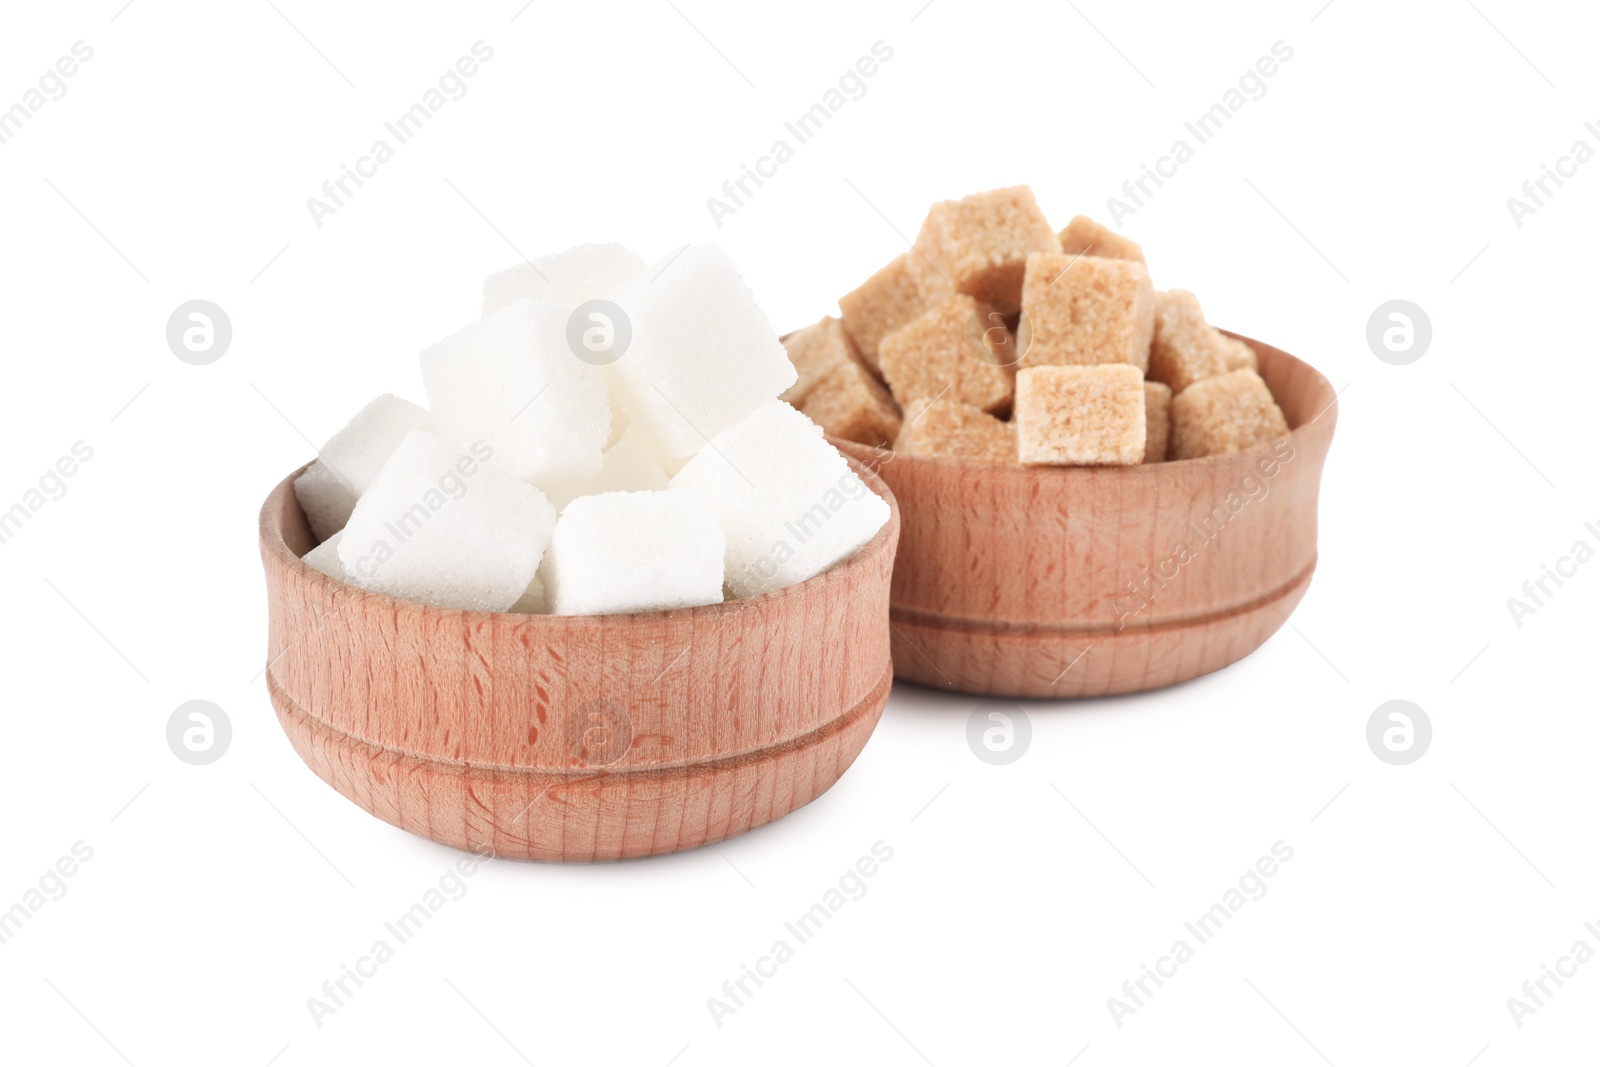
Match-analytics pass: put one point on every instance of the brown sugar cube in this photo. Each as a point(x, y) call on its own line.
point(932, 286)
point(1183, 349)
point(884, 303)
point(954, 351)
point(1080, 416)
point(1157, 421)
point(979, 246)
point(849, 402)
point(1236, 354)
point(1227, 413)
point(947, 429)
point(815, 351)
point(1087, 237)
point(1081, 310)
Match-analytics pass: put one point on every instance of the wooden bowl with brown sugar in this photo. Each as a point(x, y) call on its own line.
point(1088, 581)
point(577, 737)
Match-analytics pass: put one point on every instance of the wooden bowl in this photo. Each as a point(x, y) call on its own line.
point(1086, 581)
point(577, 737)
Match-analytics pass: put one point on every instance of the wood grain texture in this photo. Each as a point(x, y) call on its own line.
point(1086, 581)
point(577, 737)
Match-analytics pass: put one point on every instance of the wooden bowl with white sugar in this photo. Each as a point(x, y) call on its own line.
point(1088, 581)
point(577, 738)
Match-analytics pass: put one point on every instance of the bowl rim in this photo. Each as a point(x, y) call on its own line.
point(886, 540)
point(876, 457)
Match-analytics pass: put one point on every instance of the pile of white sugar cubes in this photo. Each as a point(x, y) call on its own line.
point(605, 439)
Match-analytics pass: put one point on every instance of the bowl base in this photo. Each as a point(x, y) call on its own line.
point(586, 814)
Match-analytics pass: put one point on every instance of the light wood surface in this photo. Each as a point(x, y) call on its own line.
point(1013, 581)
point(577, 737)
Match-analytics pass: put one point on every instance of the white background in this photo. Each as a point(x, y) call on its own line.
point(1019, 898)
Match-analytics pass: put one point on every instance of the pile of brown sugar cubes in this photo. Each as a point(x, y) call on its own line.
point(998, 340)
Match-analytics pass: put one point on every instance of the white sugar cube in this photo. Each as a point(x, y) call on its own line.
point(444, 526)
point(702, 355)
point(630, 465)
point(615, 400)
point(330, 487)
point(587, 272)
point(325, 498)
point(325, 558)
point(510, 381)
point(789, 504)
point(624, 552)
